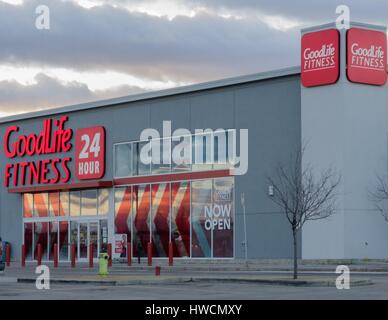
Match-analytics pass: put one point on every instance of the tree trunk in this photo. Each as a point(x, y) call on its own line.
point(295, 254)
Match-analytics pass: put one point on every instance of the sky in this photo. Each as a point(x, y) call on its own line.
point(99, 49)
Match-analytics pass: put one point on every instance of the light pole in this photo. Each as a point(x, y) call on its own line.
point(245, 226)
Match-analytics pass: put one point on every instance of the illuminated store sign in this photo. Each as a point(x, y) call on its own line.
point(366, 56)
point(320, 58)
point(53, 139)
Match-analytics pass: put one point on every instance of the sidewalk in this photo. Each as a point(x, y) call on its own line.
point(183, 272)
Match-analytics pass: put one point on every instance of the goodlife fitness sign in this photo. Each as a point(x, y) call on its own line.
point(320, 58)
point(367, 56)
point(50, 148)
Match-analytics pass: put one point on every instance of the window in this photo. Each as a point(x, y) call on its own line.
point(75, 203)
point(181, 153)
point(161, 156)
point(103, 202)
point(139, 167)
point(180, 219)
point(223, 218)
point(28, 231)
point(54, 210)
point(89, 202)
point(41, 205)
point(201, 228)
point(160, 219)
point(202, 151)
point(64, 203)
point(28, 204)
point(123, 160)
point(141, 200)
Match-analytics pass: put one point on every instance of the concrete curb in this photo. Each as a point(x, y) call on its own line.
point(182, 280)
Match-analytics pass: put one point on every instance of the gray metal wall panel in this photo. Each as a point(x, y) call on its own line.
point(270, 109)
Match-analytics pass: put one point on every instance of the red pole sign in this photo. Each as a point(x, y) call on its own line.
point(39, 254)
point(91, 253)
point(8, 254)
point(23, 260)
point(149, 253)
point(110, 254)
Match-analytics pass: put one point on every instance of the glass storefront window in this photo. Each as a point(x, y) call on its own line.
point(201, 228)
point(141, 200)
point(203, 151)
point(221, 149)
point(41, 237)
point(75, 203)
point(197, 217)
point(53, 238)
point(161, 155)
point(64, 240)
point(74, 234)
point(89, 202)
point(40, 205)
point(64, 203)
point(123, 203)
point(28, 204)
point(123, 159)
point(180, 219)
point(139, 168)
point(28, 232)
point(160, 219)
point(54, 204)
point(223, 217)
point(181, 153)
point(103, 202)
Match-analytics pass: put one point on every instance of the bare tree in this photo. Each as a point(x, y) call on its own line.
point(303, 195)
point(380, 196)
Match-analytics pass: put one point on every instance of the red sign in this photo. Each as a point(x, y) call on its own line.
point(320, 58)
point(367, 56)
point(90, 153)
point(52, 139)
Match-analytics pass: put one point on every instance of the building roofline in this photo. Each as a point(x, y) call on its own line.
point(156, 94)
point(352, 24)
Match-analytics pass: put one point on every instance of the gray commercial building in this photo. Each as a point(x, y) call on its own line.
point(75, 179)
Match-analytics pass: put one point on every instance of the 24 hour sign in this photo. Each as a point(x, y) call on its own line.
point(90, 153)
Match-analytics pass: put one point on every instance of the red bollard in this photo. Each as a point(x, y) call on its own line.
point(8, 254)
point(170, 255)
point(110, 254)
point(72, 255)
point(39, 254)
point(149, 253)
point(157, 271)
point(129, 253)
point(91, 255)
point(55, 255)
point(23, 260)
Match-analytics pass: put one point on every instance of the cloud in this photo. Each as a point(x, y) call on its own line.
point(49, 93)
point(150, 43)
point(105, 38)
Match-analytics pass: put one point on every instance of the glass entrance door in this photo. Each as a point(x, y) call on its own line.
point(83, 240)
point(88, 235)
point(93, 238)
